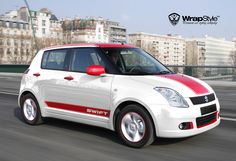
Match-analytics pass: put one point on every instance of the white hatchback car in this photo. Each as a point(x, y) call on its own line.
point(119, 87)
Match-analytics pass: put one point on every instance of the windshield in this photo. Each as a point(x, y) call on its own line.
point(134, 61)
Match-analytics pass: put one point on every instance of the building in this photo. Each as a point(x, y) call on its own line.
point(15, 41)
point(233, 57)
point(84, 30)
point(116, 33)
point(169, 49)
point(47, 27)
point(90, 30)
point(10, 15)
point(195, 52)
point(234, 40)
point(210, 51)
point(216, 51)
point(195, 55)
point(16, 34)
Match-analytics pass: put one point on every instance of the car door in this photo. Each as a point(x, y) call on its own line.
point(52, 82)
point(84, 98)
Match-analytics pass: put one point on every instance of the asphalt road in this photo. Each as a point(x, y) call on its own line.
point(59, 140)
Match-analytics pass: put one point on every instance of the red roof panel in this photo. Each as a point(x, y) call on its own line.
point(101, 45)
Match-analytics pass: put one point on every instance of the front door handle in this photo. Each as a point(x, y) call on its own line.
point(69, 78)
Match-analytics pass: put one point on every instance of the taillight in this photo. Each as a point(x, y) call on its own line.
point(26, 71)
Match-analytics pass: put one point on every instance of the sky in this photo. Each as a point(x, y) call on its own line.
point(150, 16)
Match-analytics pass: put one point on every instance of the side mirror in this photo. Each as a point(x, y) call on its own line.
point(95, 70)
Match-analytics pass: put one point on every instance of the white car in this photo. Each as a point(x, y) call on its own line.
point(118, 87)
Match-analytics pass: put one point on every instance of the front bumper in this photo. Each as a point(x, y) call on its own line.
point(168, 120)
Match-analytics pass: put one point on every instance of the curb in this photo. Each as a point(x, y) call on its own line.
point(11, 74)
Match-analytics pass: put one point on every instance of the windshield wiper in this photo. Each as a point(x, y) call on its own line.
point(163, 72)
point(139, 73)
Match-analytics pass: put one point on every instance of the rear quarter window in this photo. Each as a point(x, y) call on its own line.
point(54, 60)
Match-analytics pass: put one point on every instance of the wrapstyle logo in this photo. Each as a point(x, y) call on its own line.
point(174, 18)
point(186, 19)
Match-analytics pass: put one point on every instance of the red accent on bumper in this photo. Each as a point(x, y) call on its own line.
point(213, 121)
point(191, 125)
point(78, 108)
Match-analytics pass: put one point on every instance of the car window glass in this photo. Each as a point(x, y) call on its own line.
point(135, 62)
point(132, 59)
point(85, 57)
point(54, 59)
point(44, 60)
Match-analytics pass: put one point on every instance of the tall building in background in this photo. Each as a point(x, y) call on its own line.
point(51, 31)
point(233, 56)
point(84, 30)
point(15, 41)
point(210, 51)
point(195, 55)
point(47, 27)
point(116, 32)
point(169, 49)
point(195, 52)
point(216, 51)
point(91, 30)
point(234, 40)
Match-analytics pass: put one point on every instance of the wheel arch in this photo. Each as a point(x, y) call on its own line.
point(23, 94)
point(123, 104)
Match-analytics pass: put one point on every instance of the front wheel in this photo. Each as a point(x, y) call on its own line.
point(135, 127)
point(30, 110)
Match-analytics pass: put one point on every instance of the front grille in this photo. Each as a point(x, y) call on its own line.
point(206, 120)
point(208, 109)
point(202, 99)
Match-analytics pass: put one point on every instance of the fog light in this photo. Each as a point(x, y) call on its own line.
point(186, 125)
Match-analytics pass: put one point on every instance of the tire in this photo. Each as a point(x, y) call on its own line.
point(30, 110)
point(134, 126)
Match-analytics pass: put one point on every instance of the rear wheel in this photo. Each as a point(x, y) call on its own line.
point(30, 110)
point(135, 126)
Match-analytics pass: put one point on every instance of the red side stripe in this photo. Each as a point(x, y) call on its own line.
point(78, 108)
point(190, 83)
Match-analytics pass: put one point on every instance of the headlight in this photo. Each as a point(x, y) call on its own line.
point(173, 97)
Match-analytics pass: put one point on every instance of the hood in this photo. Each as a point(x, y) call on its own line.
point(185, 85)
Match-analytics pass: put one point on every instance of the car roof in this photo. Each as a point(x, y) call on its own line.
point(101, 45)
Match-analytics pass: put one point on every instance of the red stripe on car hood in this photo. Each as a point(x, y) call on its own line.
point(188, 82)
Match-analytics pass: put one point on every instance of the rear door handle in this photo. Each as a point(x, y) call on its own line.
point(36, 74)
point(69, 78)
